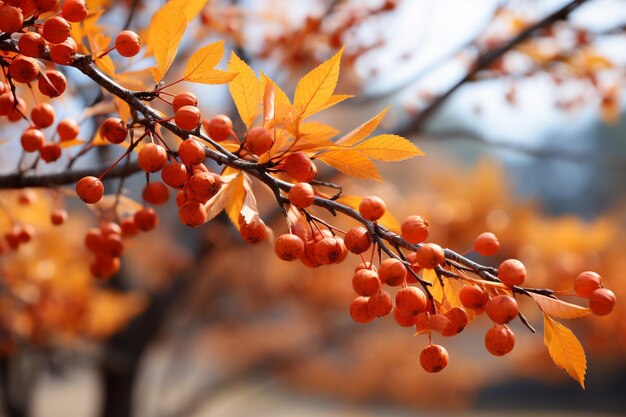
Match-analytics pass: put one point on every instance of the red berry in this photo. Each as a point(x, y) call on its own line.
point(50, 152)
point(90, 189)
point(499, 340)
point(56, 29)
point(184, 99)
point(42, 115)
point(302, 195)
point(32, 140)
point(31, 44)
point(127, 43)
point(191, 152)
point(299, 167)
point(434, 358)
point(288, 247)
point(53, 84)
point(219, 127)
point(502, 309)
point(64, 53)
point(602, 301)
point(11, 19)
point(155, 193)
point(414, 229)
point(74, 10)
point(586, 283)
point(429, 255)
point(114, 130)
point(23, 69)
point(392, 272)
point(259, 140)
point(152, 157)
point(512, 272)
point(192, 213)
point(357, 240)
point(473, 297)
point(68, 129)
point(486, 244)
point(410, 301)
point(372, 208)
point(359, 310)
point(146, 219)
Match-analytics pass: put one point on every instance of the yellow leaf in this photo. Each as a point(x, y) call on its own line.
point(192, 8)
point(97, 43)
point(436, 289)
point(282, 105)
point(71, 143)
point(352, 163)
point(336, 99)
point(269, 92)
point(363, 131)
point(189, 9)
point(560, 308)
point(565, 349)
point(200, 68)
point(237, 195)
point(388, 220)
point(167, 31)
point(316, 88)
point(388, 148)
point(249, 208)
point(245, 90)
point(315, 136)
point(217, 204)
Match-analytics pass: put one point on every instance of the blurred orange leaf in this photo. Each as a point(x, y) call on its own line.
point(560, 308)
point(565, 349)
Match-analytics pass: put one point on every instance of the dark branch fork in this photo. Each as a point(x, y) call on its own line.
point(381, 236)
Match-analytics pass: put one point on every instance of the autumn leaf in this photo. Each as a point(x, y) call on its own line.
point(237, 195)
point(71, 143)
point(388, 148)
point(249, 208)
point(565, 349)
point(559, 308)
point(436, 289)
point(281, 104)
point(245, 90)
point(200, 68)
point(352, 163)
point(166, 31)
point(218, 202)
point(336, 99)
point(359, 133)
point(388, 220)
point(316, 88)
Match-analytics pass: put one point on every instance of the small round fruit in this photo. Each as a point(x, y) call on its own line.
point(155, 193)
point(302, 195)
point(434, 358)
point(152, 157)
point(219, 127)
point(359, 310)
point(42, 115)
point(402, 320)
point(191, 152)
point(53, 84)
point(486, 244)
point(146, 219)
point(473, 297)
point(32, 140)
point(11, 19)
point(46, 5)
point(429, 255)
point(68, 129)
point(372, 208)
point(357, 240)
point(188, 117)
point(56, 29)
point(174, 174)
point(602, 301)
point(58, 217)
point(288, 247)
point(380, 304)
point(586, 283)
point(414, 229)
point(64, 53)
point(74, 10)
point(203, 186)
point(392, 272)
point(328, 251)
point(114, 130)
point(192, 213)
point(128, 227)
point(90, 189)
point(50, 152)
point(31, 44)
point(253, 232)
point(299, 167)
point(499, 340)
point(410, 301)
point(127, 43)
point(366, 282)
point(512, 272)
point(184, 99)
point(23, 69)
point(502, 309)
point(259, 140)
point(458, 320)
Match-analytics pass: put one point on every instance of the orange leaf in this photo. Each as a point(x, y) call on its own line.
point(245, 90)
point(200, 67)
point(560, 308)
point(282, 105)
point(388, 148)
point(316, 88)
point(388, 220)
point(217, 204)
point(166, 32)
point(565, 349)
point(235, 202)
point(437, 291)
point(352, 163)
point(363, 131)
point(71, 143)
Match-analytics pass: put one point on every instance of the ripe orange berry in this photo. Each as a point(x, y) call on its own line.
point(23, 69)
point(486, 244)
point(357, 240)
point(299, 167)
point(328, 251)
point(74, 10)
point(343, 250)
point(42, 115)
point(458, 320)
point(410, 301)
point(259, 140)
point(366, 265)
point(429, 255)
point(31, 44)
point(308, 257)
point(253, 232)
point(68, 129)
point(128, 227)
point(90, 189)
point(93, 240)
point(219, 127)
point(58, 217)
point(359, 310)
point(18, 112)
point(203, 186)
point(192, 213)
point(112, 245)
point(512, 272)
point(502, 309)
point(372, 208)
point(586, 283)
point(302, 195)
point(184, 99)
point(414, 229)
point(50, 152)
point(64, 53)
point(434, 358)
point(499, 340)
point(402, 320)
point(32, 140)
point(53, 84)
point(174, 174)
point(11, 19)
point(46, 5)
point(428, 322)
point(155, 193)
point(380, 304)
point(56, 29)
point(152, 157)
point(114, 130)
point(473, 297)
point(188, 117)
point(107, 228)
point(127, 43)
point(146, 219)
point(392, 272)
point(191, 152)
point(104, 266)
point(288, 247)
point(602, 301)
point(366, 282)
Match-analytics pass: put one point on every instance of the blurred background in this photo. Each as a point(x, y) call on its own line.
point(518, 106)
